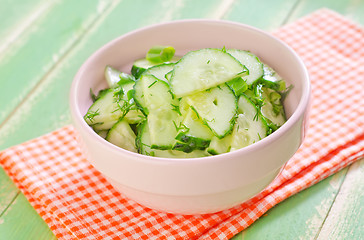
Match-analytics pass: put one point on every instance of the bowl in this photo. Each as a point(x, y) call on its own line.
point(193, 185)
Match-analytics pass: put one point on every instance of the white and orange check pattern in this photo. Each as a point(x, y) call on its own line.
point(77, 202)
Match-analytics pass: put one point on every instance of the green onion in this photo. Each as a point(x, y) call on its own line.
point(160, 54)
point(275, 97)
point(125, 78)
point(238, 85)
point(281, 85)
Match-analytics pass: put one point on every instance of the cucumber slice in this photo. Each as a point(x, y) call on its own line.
point(162, 129)
point(143, 64)
point(114, 77)
point(160, 71)
point(168, 76)
point(251, 62)
point(122, 136)
point(216, 107)
point(102, 133)
point(155, 99)
point(142, 141)
point(271, 79)
point(202, 69)
point(143, 144)
point(134, 116)
point(218, 146)
point(192, 134)
point(179, 154)
point(272, 108)
point(250, 126)
point(104, 112)
point(152, 94)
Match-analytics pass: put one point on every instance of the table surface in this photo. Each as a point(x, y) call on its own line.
point(43, 43)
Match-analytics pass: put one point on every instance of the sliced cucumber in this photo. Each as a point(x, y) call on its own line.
point(162, 129)
point(155, 99)
point(250, 126)
point(114, 77)
point(216, 107)
point(218, 146)
point(143, 143)
point(168, 75)
point(251, 62)
point(272, 108)
point(210, 102)
point(160, 71)
point(202, 69)
point(134, 116)
point(271, 79)
point(152, 94)
point(192, 134)
point(102, 133)
point(122, 136)
point(180, 154)
point(104, 112)
point(143, 64)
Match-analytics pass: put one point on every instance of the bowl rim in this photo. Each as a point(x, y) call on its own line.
point(298, 113)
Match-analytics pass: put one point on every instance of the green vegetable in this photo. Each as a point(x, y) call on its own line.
point(160, 54)
point(210, 101)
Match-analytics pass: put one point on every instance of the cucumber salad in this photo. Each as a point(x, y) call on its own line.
point(207, 102)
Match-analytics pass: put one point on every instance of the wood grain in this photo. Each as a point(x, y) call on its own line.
point(345, 219)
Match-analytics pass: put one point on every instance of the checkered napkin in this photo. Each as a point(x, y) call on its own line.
point(77, 202)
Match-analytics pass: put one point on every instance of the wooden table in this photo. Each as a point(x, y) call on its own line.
point(43, 43)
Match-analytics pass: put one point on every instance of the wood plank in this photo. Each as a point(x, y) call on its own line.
point(15, 18)
point(36, 51)
point(345, 219)
point(50, 97)
point(298, 217)
point(308, 209)
point(267, 15)
point(21, 222)
point(8, 191)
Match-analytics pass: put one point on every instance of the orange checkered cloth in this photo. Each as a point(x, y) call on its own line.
point(77, 202)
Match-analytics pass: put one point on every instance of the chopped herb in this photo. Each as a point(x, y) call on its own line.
point(152, 84)
point(260, 138)
point(256, 116)
point(90, 115)
point(93, 96)
point(176, 109)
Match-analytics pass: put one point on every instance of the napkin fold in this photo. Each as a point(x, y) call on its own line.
point(77, 202)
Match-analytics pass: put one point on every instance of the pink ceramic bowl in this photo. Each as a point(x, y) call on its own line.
point(195, 185)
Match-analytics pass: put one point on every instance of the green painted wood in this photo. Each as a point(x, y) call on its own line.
point(36, 51)
point(299, 217)
point(267, 15)
point(8, 191)
point(50, 97)
point(310, 208)
point(345, 219)
point(14, 16)
point(21, 222)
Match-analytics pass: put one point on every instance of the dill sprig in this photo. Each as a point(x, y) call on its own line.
point(90, 115)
